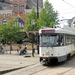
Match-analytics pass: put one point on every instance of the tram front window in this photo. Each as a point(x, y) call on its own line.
point(48, 40)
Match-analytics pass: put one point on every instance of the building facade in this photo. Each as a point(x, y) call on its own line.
point(9, 9)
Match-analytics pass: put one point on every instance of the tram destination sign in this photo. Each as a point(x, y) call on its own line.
point(48, 31)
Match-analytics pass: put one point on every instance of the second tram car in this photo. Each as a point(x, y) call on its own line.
point(56, 44)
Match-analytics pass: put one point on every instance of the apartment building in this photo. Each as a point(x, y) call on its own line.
point(9, 8)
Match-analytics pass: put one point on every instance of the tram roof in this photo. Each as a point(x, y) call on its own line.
point(64, 30)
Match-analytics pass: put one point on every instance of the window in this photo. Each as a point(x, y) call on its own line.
point(68, 39)
point(73, 39)
point(48, 40)
point(15, 8)
point(60, 40)
point(21, 8)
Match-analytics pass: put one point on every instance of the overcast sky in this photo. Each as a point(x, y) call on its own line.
point(66, 8)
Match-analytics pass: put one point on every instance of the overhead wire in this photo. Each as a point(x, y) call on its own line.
point(69, 4)
point(67, 13)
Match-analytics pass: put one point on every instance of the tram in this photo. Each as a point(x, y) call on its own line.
point(56, 44)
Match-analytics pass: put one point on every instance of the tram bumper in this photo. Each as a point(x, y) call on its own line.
point(48, 60)
point(44, 60)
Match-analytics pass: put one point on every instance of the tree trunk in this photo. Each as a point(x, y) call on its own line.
point(10, 47)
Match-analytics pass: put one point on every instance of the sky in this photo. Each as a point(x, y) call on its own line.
point(65, 8)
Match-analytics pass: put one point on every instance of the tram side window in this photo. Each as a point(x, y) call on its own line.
point(68, 39)
point(73, 40)
point(60, 40)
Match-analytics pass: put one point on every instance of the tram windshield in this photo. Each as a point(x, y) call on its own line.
point(49, 40)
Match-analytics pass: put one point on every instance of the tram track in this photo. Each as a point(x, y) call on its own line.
point(65, 68)
point(38, 69)
point(28, 70)
point(32, 69)
point(63, 73)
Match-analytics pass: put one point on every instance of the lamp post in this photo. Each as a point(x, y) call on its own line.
point(4, 21)
point(33, 23)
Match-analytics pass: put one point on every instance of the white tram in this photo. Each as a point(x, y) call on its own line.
point(56, 44)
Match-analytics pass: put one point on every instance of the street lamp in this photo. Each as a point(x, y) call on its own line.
point(4, 21)
point(33, 23)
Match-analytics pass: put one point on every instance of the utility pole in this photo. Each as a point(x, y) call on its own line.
point(37, 10)
point(38, 34)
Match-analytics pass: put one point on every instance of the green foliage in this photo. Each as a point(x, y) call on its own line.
point(10, 32)
point(31, 16)
point(48, 17)
point(29, 27)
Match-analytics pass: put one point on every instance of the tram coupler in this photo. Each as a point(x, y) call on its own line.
point(45, 61)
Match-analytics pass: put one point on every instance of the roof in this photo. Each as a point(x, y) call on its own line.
point(65, 30)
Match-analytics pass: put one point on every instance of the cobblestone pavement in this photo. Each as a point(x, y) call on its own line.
point(15, 61)
point(32, 66)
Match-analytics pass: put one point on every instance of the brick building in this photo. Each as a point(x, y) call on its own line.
point(10, 8)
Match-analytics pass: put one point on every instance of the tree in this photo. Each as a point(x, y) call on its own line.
point(10, 33)
point(29, 27)
point(31, 16)
point(48, 17)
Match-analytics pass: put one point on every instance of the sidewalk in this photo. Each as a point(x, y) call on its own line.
point(15, 61)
